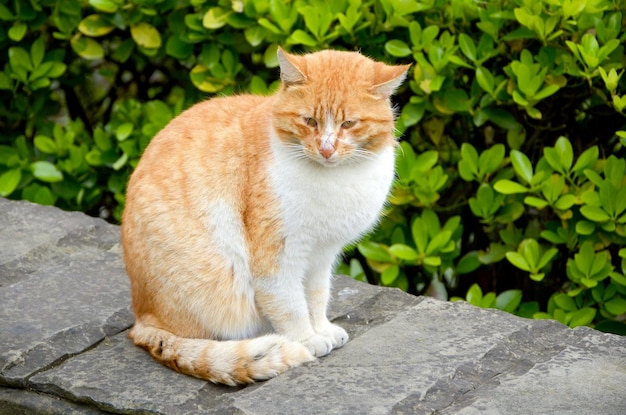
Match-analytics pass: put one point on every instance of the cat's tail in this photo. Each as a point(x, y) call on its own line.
point(229, 362)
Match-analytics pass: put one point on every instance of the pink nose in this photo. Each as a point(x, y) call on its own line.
point(327, 150)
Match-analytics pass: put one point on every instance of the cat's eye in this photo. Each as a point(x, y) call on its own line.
point(348, 124)
point(311, 122)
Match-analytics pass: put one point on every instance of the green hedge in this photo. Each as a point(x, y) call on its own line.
point(511, 188)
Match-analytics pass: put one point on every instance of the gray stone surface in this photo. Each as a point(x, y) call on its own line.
point(63, 287)
point(64, 348)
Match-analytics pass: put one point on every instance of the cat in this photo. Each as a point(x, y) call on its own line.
point(240, 207)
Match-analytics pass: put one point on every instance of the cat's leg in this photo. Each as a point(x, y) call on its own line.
point(317, 289)
point(281, 299)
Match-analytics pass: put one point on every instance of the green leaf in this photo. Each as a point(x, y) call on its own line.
point(397, 48)
point(374, 251)
point(425, 162)
point(429, 34)
point(120, 162)
point(584, 227)
point(546, 257)
point(433, 261)
point(542, 316)
point(404, 252)
point(553, 237)
point(502, 118)
point(178, 48)
point(474, 295)
point(565, 153)
point(468, 263)
point(565, 302)
point(468, 165)
point(585, 258)
point(37, 52)
point(389, 275)
point(19, 58)
point(17, 31)
point(508, 187)
point(615, 277)
point(123, 131)
point(107, 6)
point(438, 242)
point(46, 171)
point(124, 50)
point(48, 70)
point(412, 113)
point(530, 249)
point(300, 37)
point(420, 234)
point(535, 202)
point(39, 194)
point(537, 277)
point(456, 100)
point(565, 202)
point(521, 164)
point(215, 18)
point(594, 213)
point(269, 26)
point(9, 180)
point(255, 35)
point(467, 47)
point(509, 300)
point(546, 92)
point(489, 300)
point(490, 159)
point(5, 13)
point(45, 144)
point(582, 317)
point(95, 25)
point(87, 48)
point(485, 80)
point(145, 35)
point(607, 49)
point(518, 260)
point(5, 81)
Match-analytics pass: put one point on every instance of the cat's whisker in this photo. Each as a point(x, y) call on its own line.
point(294, 152)
point(360, 154)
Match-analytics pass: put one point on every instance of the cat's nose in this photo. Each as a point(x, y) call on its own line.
point(327, 150)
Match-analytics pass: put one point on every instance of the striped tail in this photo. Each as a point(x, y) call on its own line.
point(229, 362)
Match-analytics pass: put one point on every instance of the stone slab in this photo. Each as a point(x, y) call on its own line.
point(23, 402)
point(71, 290)
point(33, 236)
point(404, 358)
point(588, 376)
point(119, 377)
point(64, 347)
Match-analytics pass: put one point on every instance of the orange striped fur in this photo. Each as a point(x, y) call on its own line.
point(239, 209)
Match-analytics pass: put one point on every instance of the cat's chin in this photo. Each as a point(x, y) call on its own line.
point(327, 162)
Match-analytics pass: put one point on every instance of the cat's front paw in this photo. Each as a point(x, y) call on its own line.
point(318, 345)
point(337, 335)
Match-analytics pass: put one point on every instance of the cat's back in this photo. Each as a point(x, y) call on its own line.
point(203, 145)
point(209, 122)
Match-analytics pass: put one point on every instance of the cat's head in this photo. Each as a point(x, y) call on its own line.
point(333, 107)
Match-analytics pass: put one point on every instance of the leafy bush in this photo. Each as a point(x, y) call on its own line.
point(510, 175)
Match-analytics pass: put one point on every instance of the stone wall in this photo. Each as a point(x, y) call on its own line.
point(64, 313)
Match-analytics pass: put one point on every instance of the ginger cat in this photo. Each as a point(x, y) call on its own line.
point(239, 209)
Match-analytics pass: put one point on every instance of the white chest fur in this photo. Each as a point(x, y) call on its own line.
point(329, 206)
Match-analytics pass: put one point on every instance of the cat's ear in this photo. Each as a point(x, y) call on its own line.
point(290, 73)
point(388, 79)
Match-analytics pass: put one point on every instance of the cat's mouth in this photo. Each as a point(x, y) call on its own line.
point(328, 162)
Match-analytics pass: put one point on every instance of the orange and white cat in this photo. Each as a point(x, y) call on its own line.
point(239, 209)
